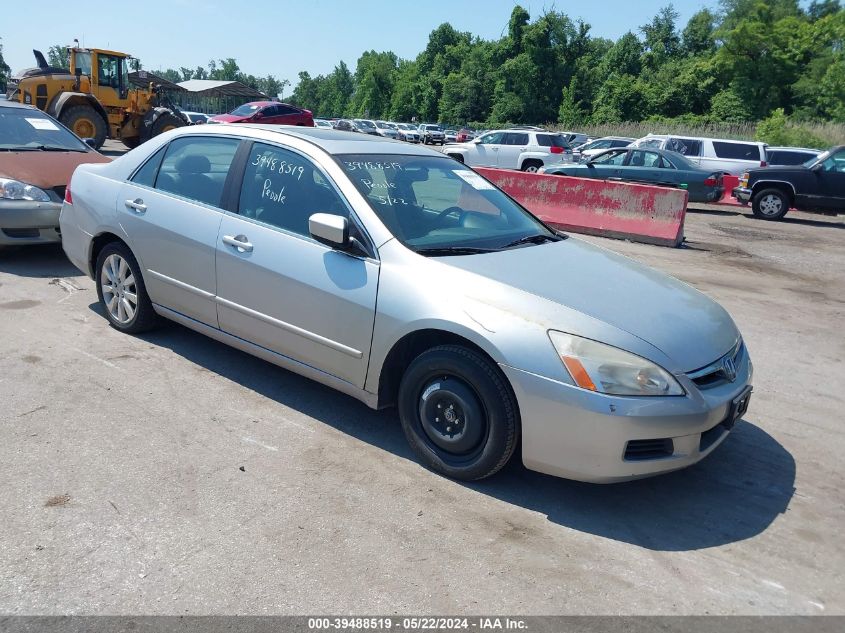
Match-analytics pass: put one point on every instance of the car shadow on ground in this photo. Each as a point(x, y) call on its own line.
point(734, 494)
point(41, 261)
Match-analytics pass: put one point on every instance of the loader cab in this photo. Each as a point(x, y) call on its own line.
point(108, 70)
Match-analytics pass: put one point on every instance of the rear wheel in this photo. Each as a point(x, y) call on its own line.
point(121, 290)
point(85, 122)
point(164, 123)
point(458, 412)
point(132, 141)
point(770, 204)
point(532, 166)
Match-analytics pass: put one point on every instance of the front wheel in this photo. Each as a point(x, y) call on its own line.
point(121, 290)
point(770, 204)
point(165, 122)
point(458, 413)
point(85, 122)
point(531, 166)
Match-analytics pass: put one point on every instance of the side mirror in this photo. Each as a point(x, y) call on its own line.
point(331, 230)
point(90, 142)
point(819, 167)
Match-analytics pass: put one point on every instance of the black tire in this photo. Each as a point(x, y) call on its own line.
point(457, 157)
point(770, 204)
point(531, 165)
point(144, 317)
point(131, 142)
point(85, 122)
point(164, 123)
point(484, 417)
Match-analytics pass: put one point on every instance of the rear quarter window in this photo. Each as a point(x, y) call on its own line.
point(684, 146)
point(737, 151)
point(781, 157)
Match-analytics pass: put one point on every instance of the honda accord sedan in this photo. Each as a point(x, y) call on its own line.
point(392, 273)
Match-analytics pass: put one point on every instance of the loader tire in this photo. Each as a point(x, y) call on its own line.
point(85, 122)
point(166, 122)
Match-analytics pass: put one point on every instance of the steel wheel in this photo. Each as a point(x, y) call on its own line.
point(770, 204)
point(120, 294)
point(451, 416)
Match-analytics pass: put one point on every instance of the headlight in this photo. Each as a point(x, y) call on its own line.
point(16, 190)
point(599, 367)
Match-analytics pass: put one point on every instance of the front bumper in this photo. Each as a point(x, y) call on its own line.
point(576, 434)
point(742, 194)
point(27, 222)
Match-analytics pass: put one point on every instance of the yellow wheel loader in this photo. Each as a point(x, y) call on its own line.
point(94, 99)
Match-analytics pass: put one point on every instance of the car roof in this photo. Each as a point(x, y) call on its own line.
point(702, 138)
point(332, 141)
point(15, 104)
point(614, 138)
point(796, 149)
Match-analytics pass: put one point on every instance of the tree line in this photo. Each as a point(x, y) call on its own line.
point(746, 61)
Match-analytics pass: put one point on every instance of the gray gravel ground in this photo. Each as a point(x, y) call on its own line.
point(169, 474)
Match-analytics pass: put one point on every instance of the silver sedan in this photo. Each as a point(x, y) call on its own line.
point(401, 277)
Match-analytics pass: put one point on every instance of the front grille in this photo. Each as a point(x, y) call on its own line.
point(638, 450)
point(713, 375)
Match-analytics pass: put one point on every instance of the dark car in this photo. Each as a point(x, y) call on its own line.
point(779, 156)
point(651, 167)
point(345, 125)
point(365, 126)
point(270, 112)
point(37, 157)
point(818, 185)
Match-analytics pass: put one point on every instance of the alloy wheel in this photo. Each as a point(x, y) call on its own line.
point(120, 293)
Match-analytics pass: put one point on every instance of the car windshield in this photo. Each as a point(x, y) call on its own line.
point(436, 206)
point(245, 110)
point(25, 129)
point(435, 128)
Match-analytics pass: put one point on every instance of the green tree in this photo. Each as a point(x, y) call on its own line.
point(728, 105)
point(5, 71)
point(58, 57)
point(570, 112)
point(661, 37)
point(697, 37)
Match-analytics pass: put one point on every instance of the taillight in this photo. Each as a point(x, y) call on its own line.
point(68, 196)
point(556, 150)
point(711, 181)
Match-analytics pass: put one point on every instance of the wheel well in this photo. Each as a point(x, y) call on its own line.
point(406, 350)
point(82, 99)
point(97, 245)
point(785, 188)
point(529, 161)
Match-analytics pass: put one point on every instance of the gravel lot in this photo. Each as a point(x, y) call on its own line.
point(170, 474)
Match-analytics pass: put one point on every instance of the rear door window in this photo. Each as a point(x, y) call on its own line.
point(515, 138)
point(736, 151)
point(684, 146)
point(196, 167)
point(783, 157)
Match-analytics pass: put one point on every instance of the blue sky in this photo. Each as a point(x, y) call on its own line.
point(283, 37)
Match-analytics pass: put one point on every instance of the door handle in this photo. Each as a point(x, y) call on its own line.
point(136, 205)
point(240, 242)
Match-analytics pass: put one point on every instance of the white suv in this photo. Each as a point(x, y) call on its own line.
point(717, 154)
point(527, 150)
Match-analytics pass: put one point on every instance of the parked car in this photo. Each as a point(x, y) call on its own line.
point(267, 112)
point(513, 149)
point(450, 136)
point(590, 149)
point(464, 135)
point(365, 126)
point(726, 155)
point(37, 156)
point(432, 134)
point(600, 368)
point(649, 166)
point(576, 139)
point(386, 129)
point(818, 185)
point(196, 118)
point(344, 125)
point(323, 123)
point(780, 156)
point(407, 132)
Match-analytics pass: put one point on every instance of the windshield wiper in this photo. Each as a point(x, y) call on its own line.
point(534, 239)
point(454, 250)
point(53, 148)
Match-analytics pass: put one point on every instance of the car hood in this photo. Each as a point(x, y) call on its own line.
point(45, 169)
point(683, 323)
point(230, 118)
point(766, 172)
